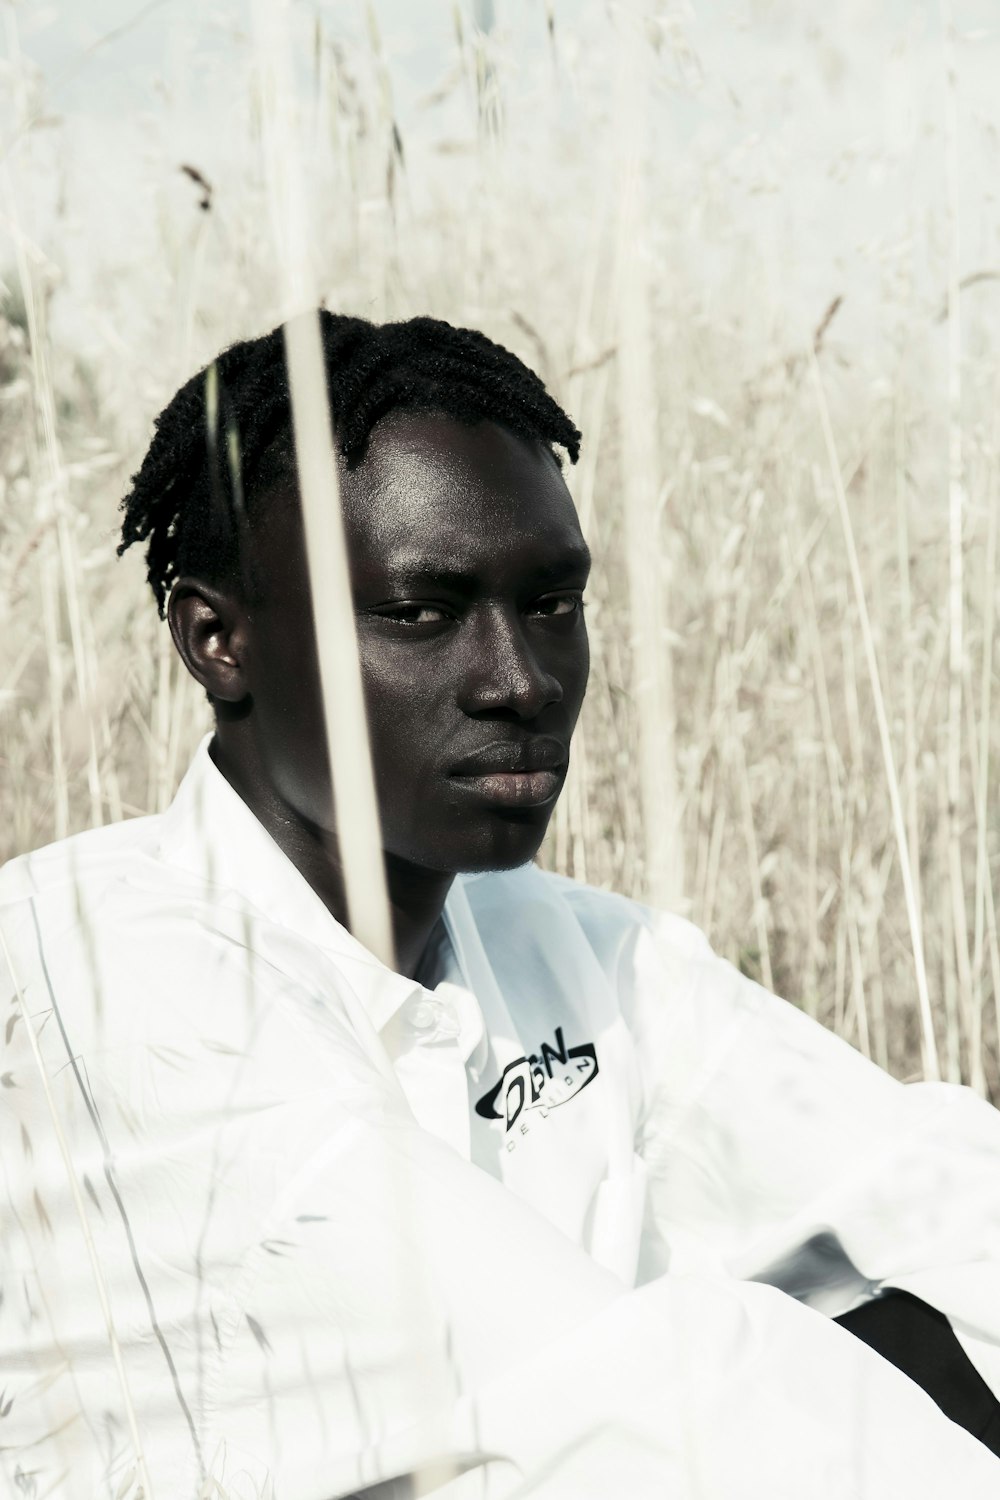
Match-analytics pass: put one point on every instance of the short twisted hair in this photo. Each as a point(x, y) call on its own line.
point(226, 437)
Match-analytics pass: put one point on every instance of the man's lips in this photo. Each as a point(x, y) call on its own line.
point(512, 788)
point(541, 753)
point(525, 773)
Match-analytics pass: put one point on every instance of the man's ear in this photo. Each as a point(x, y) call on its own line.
point(209, 627)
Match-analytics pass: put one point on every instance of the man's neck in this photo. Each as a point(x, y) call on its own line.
point(416, 896)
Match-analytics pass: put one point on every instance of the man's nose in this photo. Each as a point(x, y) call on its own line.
point(504, 673)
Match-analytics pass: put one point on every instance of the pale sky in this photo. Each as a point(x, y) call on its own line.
point(820, 122)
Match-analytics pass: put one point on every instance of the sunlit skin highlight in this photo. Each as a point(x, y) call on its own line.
point(468, 568)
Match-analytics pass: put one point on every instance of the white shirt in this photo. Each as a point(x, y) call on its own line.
point(535, 1209)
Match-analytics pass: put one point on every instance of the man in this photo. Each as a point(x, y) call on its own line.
point(563, 1199)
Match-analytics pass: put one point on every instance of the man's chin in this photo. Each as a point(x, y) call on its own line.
point(503, 839)
point(515, 842)
point(496, 865)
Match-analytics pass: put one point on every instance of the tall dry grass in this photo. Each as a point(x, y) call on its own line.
point(793, 616)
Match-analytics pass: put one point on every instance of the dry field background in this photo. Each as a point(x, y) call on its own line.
point(790, 467)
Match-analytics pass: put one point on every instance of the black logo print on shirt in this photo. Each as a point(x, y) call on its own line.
point(542, 1081)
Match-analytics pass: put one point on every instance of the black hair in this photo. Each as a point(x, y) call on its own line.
point(225, 438)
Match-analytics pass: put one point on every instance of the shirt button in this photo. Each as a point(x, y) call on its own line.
point(434, 1020)
point(424, 1015)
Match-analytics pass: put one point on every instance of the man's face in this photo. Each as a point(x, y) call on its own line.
point(467, 565)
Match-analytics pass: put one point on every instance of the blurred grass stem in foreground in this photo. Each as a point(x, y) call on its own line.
point(358, 836)
point(355, 808)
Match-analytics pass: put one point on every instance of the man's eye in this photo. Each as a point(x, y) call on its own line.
point(415, 614)
point(560, 604)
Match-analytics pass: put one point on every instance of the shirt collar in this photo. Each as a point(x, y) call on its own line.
point(210, 832)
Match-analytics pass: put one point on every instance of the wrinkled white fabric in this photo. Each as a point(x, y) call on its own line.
point(326, 1266)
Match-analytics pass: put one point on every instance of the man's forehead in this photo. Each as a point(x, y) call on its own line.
point(429, 452)
point(430, 484)
point(426, 436)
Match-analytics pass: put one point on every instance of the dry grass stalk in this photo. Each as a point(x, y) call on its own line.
point(910, 781)
point(928, 1042)
point(646, 558)
point(985, 903)
point(956, 511)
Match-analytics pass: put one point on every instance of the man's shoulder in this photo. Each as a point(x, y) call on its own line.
point(90, 859)
point(136, 949)
point(108, 896)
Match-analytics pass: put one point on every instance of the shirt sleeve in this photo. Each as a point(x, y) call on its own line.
point(422, 1319)
point(777, 1153)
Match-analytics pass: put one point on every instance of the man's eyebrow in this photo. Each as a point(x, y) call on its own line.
point(573, 560)
point(420, 573)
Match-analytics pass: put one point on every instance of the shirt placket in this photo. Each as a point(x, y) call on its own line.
point(429, 1061)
